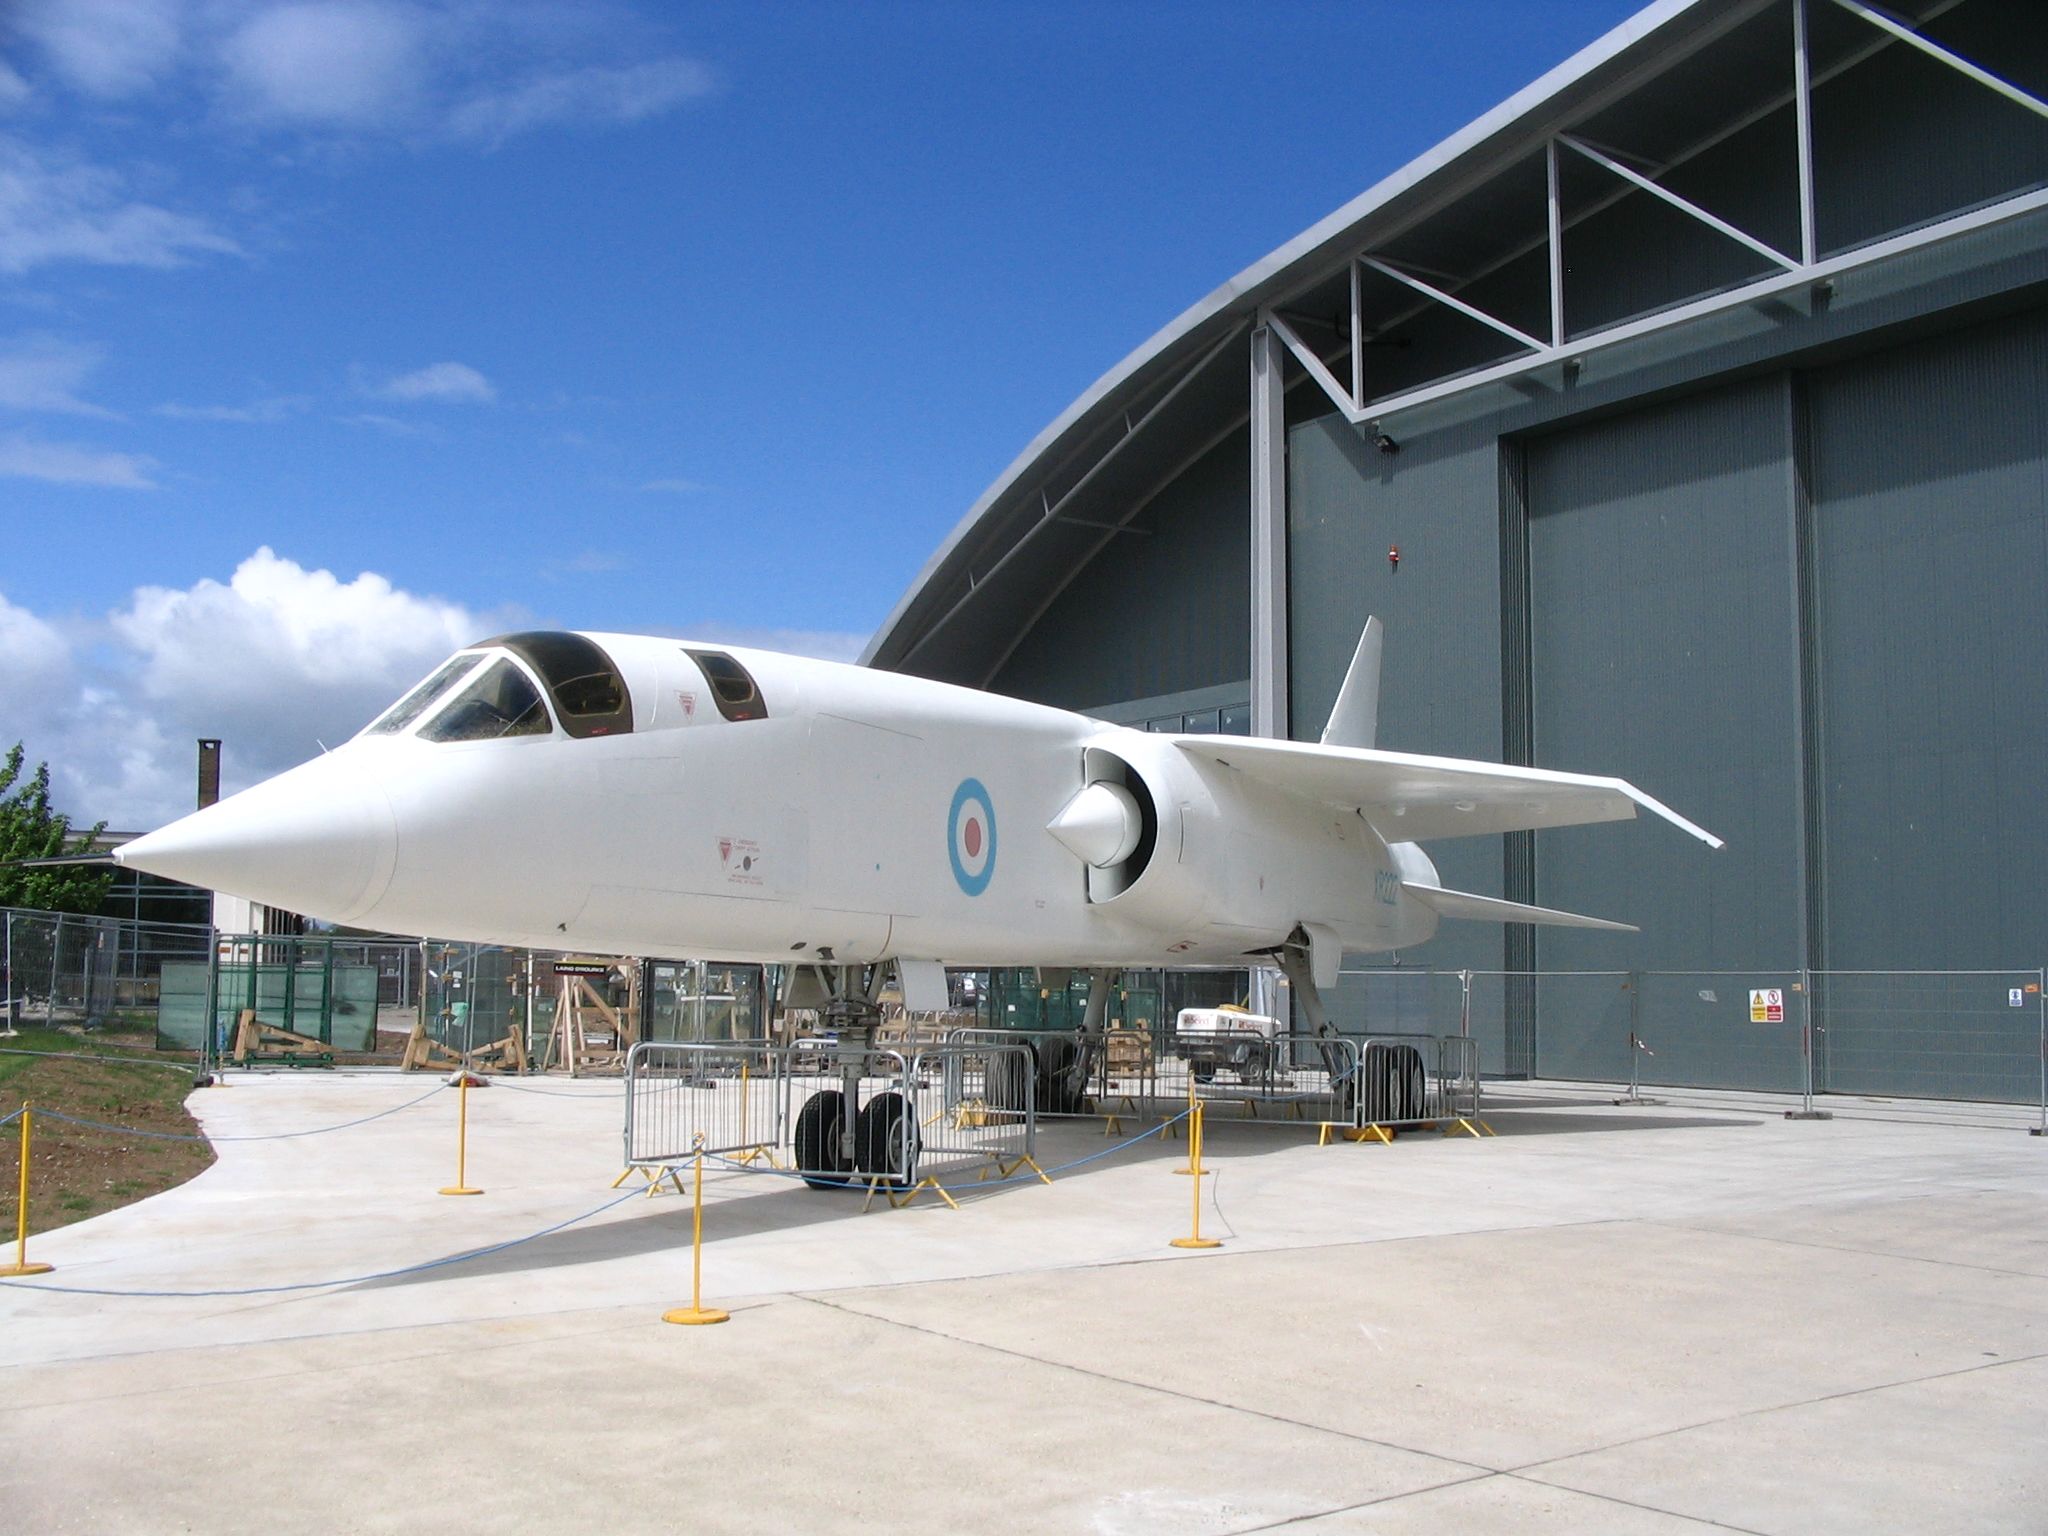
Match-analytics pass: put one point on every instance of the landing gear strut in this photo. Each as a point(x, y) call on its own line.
point(1295, 966)
point(841, 1143)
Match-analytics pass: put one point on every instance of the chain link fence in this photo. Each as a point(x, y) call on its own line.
point(1973, 1035)
point(59, 969)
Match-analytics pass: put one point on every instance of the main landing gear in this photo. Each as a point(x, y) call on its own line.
point(877, 1141)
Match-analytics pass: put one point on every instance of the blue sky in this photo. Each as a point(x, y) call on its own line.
point(710, 319)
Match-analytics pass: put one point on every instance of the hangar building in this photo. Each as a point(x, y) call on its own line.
point(1702, 388)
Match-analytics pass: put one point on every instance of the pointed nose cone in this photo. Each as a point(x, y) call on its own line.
point(318, 840)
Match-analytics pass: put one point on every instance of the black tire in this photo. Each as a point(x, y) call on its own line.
point(818, 1127)
point(1008, 1084)
point(1410, 1083)
point(1059, 1090)
point(879, 1140)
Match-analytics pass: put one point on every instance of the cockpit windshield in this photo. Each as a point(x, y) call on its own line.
point(416, 703)
point(588, 692)
point(500, 701)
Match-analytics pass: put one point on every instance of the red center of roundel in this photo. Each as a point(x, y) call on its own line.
point(971, 837)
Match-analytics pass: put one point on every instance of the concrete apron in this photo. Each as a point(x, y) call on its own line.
point(1606, 1317)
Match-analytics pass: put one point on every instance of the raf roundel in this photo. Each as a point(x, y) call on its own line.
point(971, 837)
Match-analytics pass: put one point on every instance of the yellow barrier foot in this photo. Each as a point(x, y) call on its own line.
point(1032, 1164)
point(13, 1270)
point(460, 1189)
point(1111, 1126)
point(1196, 1242)
point(898, 1202)
point(625, 1173)
point(693, 1317)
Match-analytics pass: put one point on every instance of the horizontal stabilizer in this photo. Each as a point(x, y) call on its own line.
point(1491, 909)
point(1411, 799)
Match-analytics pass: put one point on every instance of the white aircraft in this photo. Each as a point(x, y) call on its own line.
point(633, 795)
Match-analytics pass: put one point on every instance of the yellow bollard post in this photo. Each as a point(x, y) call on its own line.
point(1194, 1239)
point(1193, 1165)
point(696, 1313)
point(21, 1265)
point(461, 1184)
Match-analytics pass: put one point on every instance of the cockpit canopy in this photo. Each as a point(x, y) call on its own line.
point(531, 683)
point(476, 696)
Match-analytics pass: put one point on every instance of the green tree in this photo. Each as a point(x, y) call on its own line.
point(29, 829)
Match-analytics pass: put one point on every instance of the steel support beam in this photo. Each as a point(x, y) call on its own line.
point(1269, 534)
point(1430, 291)
point(1052, 511)
point(1313, 366)
point(1802, 113)
point(1753, 293)
point(1955, 61)
point(1683, 205)
point(1554, 234)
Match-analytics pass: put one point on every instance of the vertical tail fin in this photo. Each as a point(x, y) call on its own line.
point(1355, 717)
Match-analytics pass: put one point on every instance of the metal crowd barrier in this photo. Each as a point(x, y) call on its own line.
point(1065, 1076)
point(941, 1110)
point(1311, 1077)
point(1406, 1080)
point(729, 1092)
point(1386, 1080)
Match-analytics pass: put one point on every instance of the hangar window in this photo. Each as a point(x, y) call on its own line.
point(732, 685)
point(414, 704)
point(588, 691)
point(500, 701)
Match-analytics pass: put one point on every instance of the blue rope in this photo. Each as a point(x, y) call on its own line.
point(129, 1130)
point(321, 1285)
point(10, 1119)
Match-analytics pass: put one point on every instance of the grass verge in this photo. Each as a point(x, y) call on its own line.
point(75, 1172)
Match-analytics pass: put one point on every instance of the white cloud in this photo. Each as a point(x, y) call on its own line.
point(44, 373)
point(594, 94)
point(313, 658)
point(30, 458)
point(274, 660)
point(449, 383)
point(56, 209)
point(38, 665)
point(274, 408)
point(106, 48)
point(14, 91)
point(348, 64)
point(390, 424)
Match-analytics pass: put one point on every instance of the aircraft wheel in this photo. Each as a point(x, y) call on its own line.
point(1008, 1083)
point(818, 1126)
point(1058, 1094)
point(878, 1139)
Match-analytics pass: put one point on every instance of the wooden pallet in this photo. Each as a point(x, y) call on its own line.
point(257, 1042)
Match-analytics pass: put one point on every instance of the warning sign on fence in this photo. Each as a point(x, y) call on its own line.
point(1766, 1005)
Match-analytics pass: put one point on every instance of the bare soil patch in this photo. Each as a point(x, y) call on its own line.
point(77, 1171)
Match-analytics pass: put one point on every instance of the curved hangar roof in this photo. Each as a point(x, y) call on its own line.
point(1461, 235)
